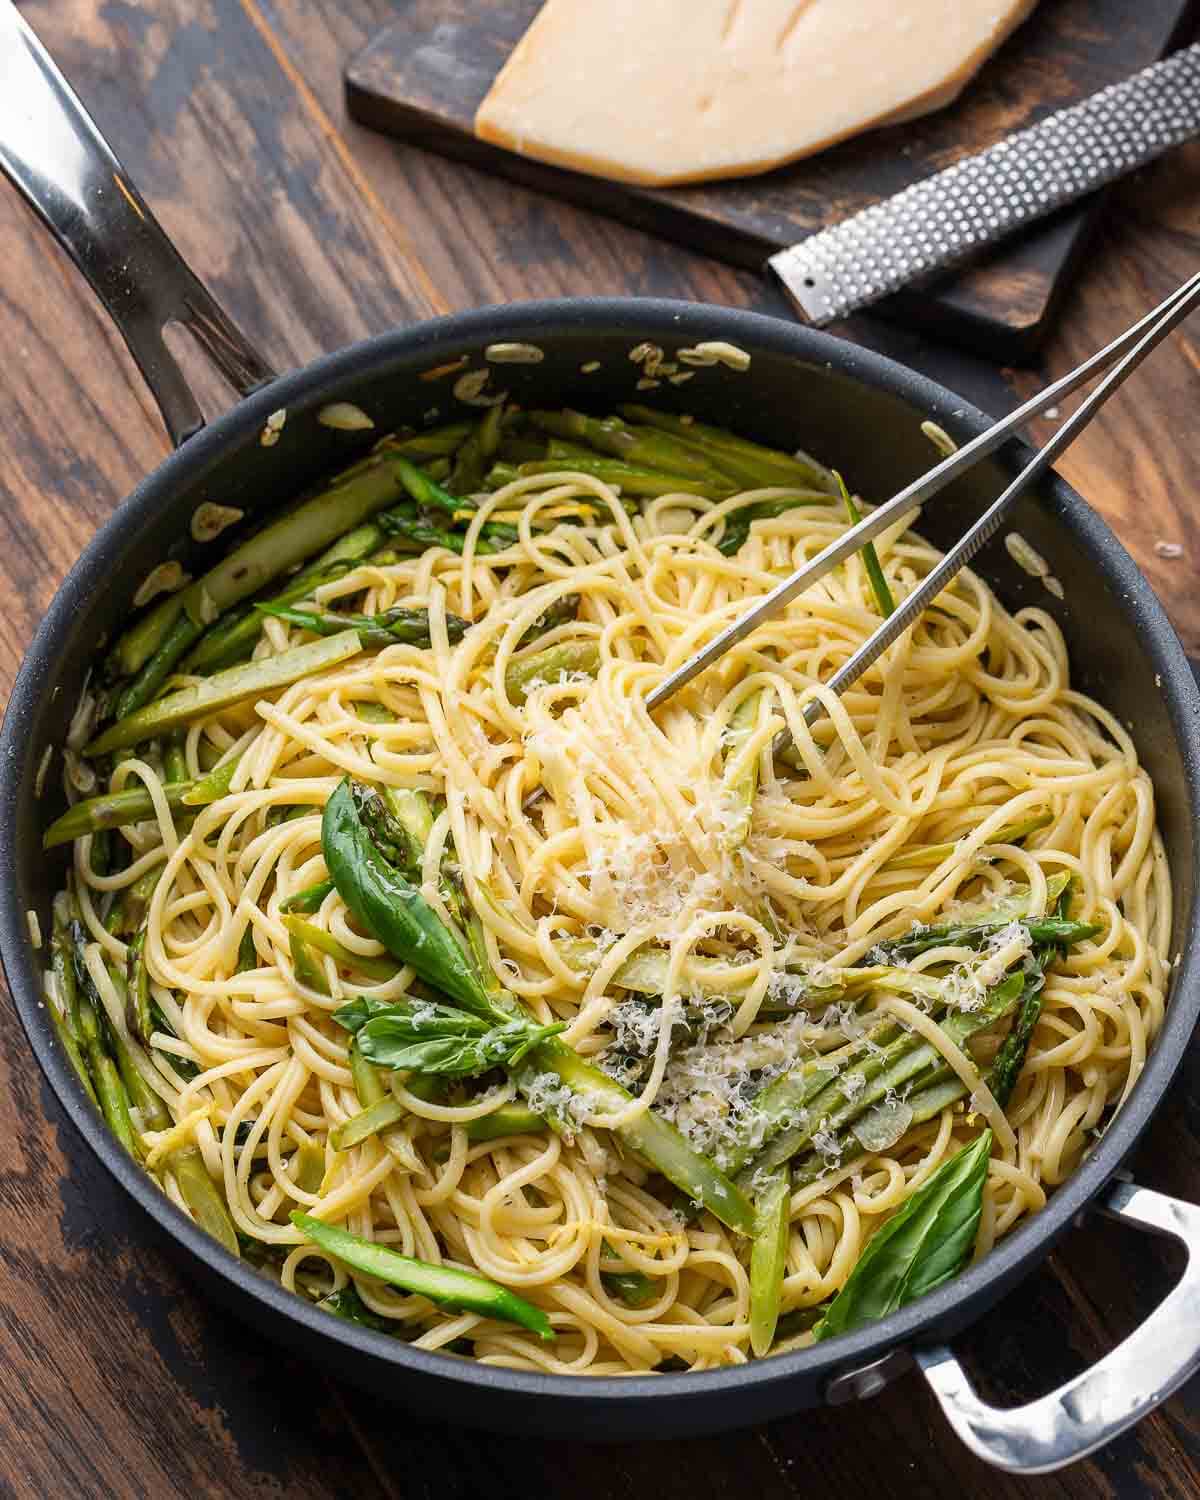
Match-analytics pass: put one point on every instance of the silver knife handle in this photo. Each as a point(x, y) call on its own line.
point(981, 199)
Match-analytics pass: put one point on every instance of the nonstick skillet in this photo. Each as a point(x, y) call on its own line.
point(801, 389)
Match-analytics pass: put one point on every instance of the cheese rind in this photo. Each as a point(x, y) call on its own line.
point(660, 92)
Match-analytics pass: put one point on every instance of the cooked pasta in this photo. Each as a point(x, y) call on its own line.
point(703, 906)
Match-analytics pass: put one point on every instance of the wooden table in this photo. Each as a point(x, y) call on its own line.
point(120, 1381)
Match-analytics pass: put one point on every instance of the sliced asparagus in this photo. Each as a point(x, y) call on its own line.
point(879, 584)
point(927, 856)
point(251, 680)
point(133, 805)
point(768, 1259)
point(509, 1119)
point(756, 463)
point(550, 665)
point(648, 483)
point(295, 536)
point(234, 636)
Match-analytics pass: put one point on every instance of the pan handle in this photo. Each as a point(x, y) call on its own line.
point(1114, 1393)
point(52, 151)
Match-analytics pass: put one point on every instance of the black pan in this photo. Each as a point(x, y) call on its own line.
point(852, 408)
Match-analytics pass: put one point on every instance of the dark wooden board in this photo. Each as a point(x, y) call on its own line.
point(120, 1380)
point(424, 75)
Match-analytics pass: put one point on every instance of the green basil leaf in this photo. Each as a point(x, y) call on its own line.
point(390, 907)
point(349, 1305)
point(926, 1243)
point(356, 1013)
point(392, 1041)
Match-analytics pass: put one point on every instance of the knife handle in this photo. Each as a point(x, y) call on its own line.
point(955, 213)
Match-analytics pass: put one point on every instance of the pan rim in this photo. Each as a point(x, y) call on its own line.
point(955, 1304)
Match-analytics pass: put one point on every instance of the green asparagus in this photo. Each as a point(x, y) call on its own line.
point(234, 685)
point(408, 626)
point(299, 533)
point(133, 804)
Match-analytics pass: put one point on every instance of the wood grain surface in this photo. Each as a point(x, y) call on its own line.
point(118, 1379)
point(423, 77)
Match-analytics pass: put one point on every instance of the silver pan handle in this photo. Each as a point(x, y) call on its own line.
point(52, 151)
point(1116, 1392)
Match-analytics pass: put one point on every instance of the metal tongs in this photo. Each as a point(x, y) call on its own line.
point(1131, 348)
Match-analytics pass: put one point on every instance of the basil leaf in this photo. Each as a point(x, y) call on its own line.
point(396, 1041)
point(926, 1243)
point(349, 1305)
point(412, 1020)
point(390, 907)
point(356, 1013)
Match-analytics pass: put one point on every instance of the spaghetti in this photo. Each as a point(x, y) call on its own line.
point(701, 914)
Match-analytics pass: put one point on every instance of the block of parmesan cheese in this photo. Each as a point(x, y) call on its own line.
point(670, 91)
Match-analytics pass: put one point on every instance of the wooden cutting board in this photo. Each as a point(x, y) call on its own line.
point(424, 75)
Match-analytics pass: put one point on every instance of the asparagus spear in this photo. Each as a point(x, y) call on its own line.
point(550, 665)
point(768, 1259)
point(233, 637)
point(175, 768)
point(367, 1083)
point(179, 635)
point(741, 789)
point(412, 528)
point(410, 626)
point(471, 460)
point(106, 1078)
point(642, 447)
point(939, 1086)
point(427, 493)
point(506, 472)
point(554, 1065)
point(1009, 1061)
point(65, 1014)
point(441, 1284)
point(134, 804)
point(308, 900)
point(137, 987)
point(632, 480)
point(308, 1167)
point(296, 535)
point(324, 942)
point(1007, 1065)
point(509, 1119)
point(306, 966)
point(1053, 930)
point(879, 584)
point(202, 1196)
point(760, 465)
point(185, 1163)
point(436, 443)
point(883, 1074)
point(370, 1121)
point(926, 856)
point(234, 685)
point(380, 1107)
